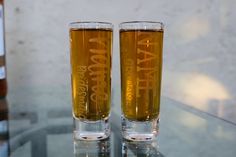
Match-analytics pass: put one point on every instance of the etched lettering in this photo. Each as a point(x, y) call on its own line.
point(146, 56)
point(97, 70)
point(82, 89)
point(129, 67)
point(145, 70)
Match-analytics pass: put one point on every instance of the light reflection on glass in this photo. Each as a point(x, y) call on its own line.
point(192, 121)
point(222, 133)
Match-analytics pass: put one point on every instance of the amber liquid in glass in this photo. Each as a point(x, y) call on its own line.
point(90, 72)
point(141, 66)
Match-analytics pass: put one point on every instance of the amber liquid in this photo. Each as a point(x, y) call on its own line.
point(141, 66)
point(91, 72)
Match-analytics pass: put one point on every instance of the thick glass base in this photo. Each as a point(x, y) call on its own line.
point(140, 131)
point(91, 130)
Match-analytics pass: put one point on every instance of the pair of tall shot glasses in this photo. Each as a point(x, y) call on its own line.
point(141, 45)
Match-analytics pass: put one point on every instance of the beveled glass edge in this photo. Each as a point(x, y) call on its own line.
point(91, 25)
point(141, 25)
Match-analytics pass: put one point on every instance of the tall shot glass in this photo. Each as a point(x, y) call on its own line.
point(90, 57)
point(141, 68)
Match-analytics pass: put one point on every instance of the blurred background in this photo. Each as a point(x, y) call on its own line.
point(199, 72)
point(199, 50)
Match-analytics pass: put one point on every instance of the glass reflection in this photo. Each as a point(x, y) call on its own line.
point(92, 148)
point(140, 149)
point(4, 133)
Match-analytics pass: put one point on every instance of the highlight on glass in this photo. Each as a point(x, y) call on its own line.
point(90, 57)
point(141, 45)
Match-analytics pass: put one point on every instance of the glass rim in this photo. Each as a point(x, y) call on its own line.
point(91, 25)
point(131, 25)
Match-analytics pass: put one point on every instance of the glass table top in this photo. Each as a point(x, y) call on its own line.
point(184, 131)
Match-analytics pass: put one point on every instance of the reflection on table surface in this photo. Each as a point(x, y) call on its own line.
point(140, 149)
point(92, 148)
point(105, 148)
point(4, 133)
point(182, 130)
